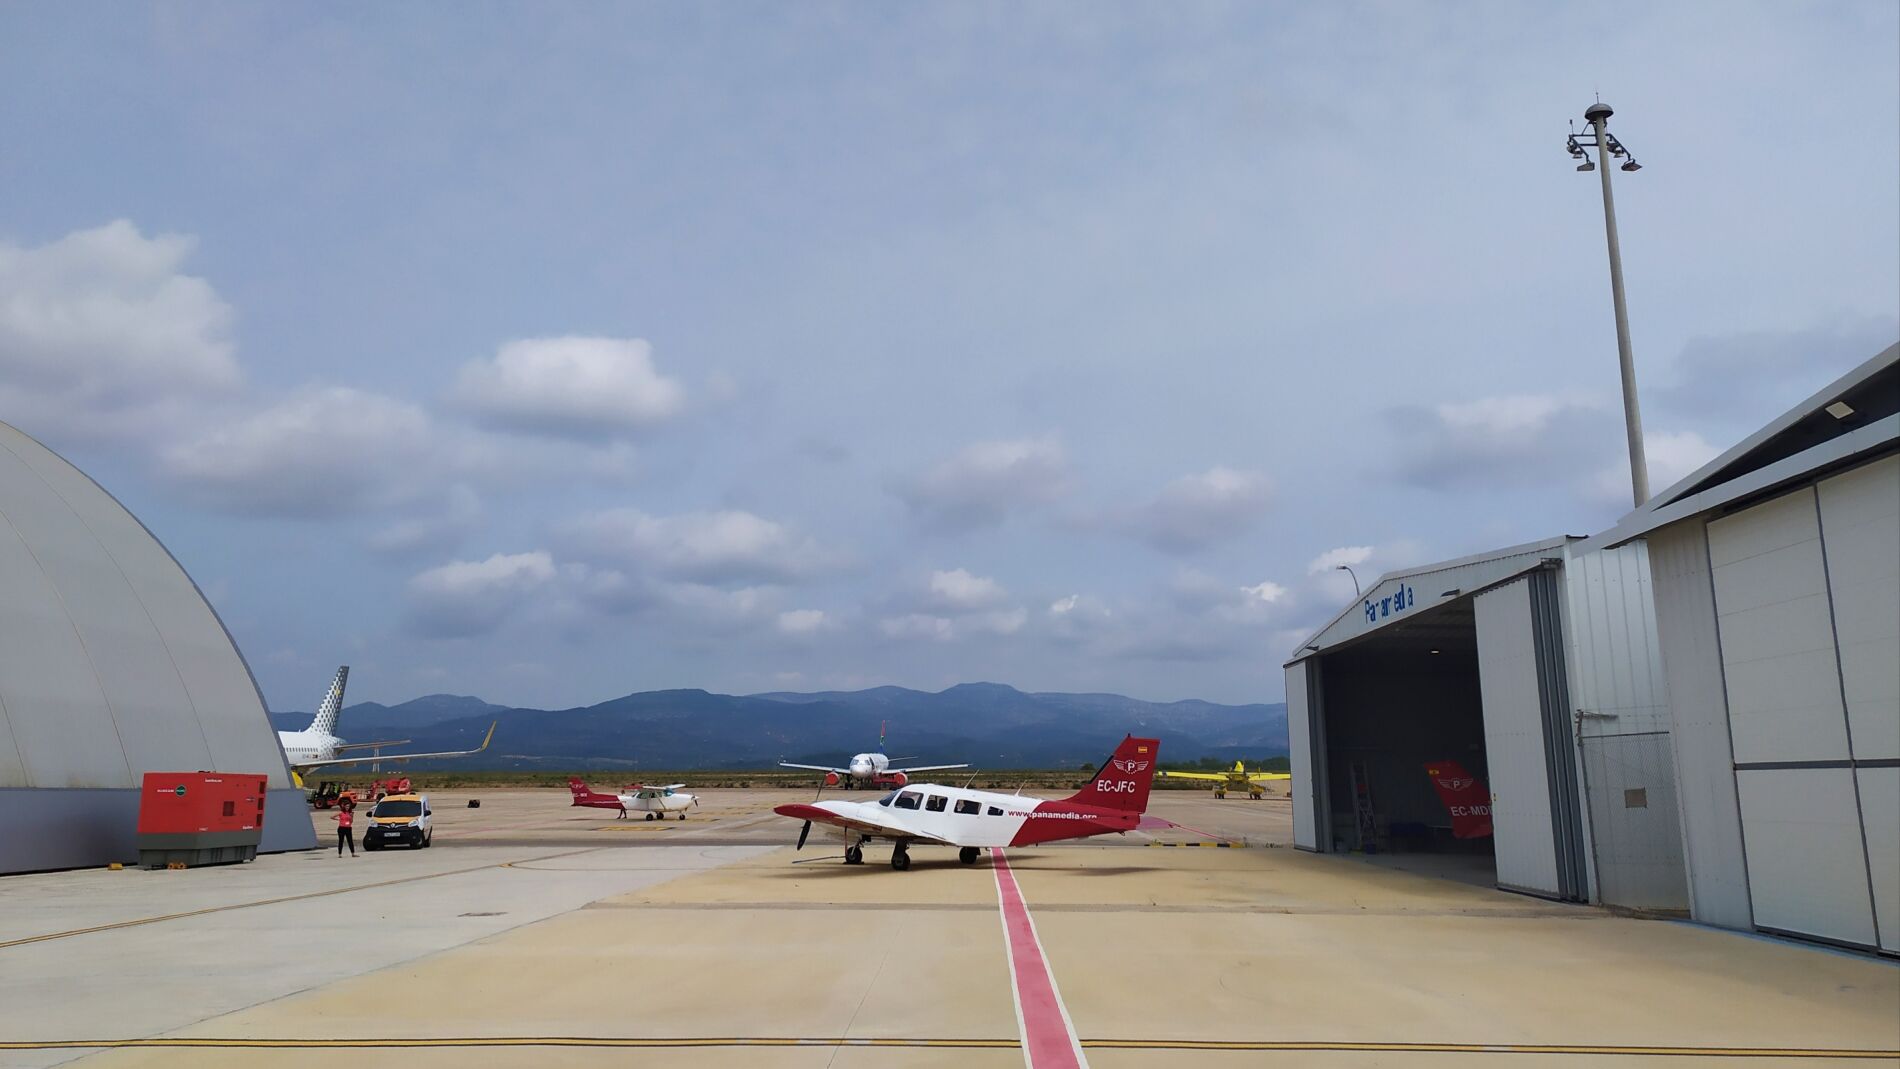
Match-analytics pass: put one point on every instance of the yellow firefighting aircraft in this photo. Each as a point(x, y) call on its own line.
point(1235, 779)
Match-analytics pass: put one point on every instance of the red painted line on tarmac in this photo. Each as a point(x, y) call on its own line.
point(1049, 1040)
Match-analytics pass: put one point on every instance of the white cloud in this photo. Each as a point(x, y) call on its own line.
point(102, 335)
point(918, 625)
point(440, 528)
point(803, 621)
point(1518, 439)
point(1197, 511)
point(1265, 592)
point(570, 387)
point(1672, 455)
point(319, 452)
point(934, 627)
point(985, 482)
point(465, 598)
point(715, 547)
point(959, 591)
point(1339, 556)
point(1064, 606)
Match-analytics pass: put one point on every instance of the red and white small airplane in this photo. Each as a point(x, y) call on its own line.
point(971, 820)
point(656, 802)
point(871, 769)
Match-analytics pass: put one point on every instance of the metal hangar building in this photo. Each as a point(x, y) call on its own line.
point(112, 664)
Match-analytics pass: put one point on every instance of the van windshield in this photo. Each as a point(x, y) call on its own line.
point(397, 809)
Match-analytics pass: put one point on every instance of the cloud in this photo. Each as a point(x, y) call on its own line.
point(571, 387)
point(319, 452)
point(729, 546)
point(959, 591)
point(440, 529)
point(1518, 440)
point(1740, 381)
point(1672, 455)
point(803, 621)
point(1197, 511)
point(467, 598)
point(1339, 556)
point(985, 482)
point(103, 336)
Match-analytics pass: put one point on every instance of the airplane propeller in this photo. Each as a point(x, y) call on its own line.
point(802, 833)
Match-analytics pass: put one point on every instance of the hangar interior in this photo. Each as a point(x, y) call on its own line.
point(1397, 701)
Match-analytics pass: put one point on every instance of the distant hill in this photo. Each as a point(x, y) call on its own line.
point(986, 724)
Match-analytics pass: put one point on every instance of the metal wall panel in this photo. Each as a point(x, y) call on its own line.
point(1300, 754)
point(1514, 741)
point(1699, 729)
point(1622, 726)
point(1860, 527)
point(1807, 870)
point(1783, 678)
point(1880, 816)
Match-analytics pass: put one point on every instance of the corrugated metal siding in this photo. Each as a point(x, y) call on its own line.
point(1699, 730)
point(1860, 527)
point(1300, 754)
point(1622, 727)
point(1514, 741)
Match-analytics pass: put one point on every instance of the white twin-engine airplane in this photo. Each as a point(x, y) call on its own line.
point(1114, 801)
point(317, 745)
point(870, 769)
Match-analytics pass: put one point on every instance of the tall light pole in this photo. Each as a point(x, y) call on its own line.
point(1600, 138)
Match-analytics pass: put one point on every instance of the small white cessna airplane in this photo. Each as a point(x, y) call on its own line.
point(655, 802)
point(317, 746)
point(971, 820)
point(870, 769)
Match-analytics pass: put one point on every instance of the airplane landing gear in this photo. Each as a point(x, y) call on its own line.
point(854, 855)
point(649, 816)
point(1220, 794)
point(682, 816)
point(900, 857)
point(968, 855)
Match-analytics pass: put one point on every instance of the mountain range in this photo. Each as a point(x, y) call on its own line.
point(989, 725)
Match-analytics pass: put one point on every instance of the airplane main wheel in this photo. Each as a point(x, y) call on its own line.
point(1220, 794)
point(649, 816)
point(900, 859)
point(968, 855)
point(854, 855)
point(682, 816)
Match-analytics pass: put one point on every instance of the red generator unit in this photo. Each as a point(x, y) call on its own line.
point(200, 818)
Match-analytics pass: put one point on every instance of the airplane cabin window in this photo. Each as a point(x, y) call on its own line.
point(996, 811)
point(936, 803)
point(969, 808)
point(908, 800)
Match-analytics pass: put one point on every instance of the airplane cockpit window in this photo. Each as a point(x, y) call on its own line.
point(908, 799)
point(886, 800)
point(936, 803)
point(968, 807)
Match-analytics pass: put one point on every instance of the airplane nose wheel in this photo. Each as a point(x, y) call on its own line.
point(900, 858)
point(968, 855)
point(854, 855)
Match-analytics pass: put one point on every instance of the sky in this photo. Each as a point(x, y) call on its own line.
point(550, 352)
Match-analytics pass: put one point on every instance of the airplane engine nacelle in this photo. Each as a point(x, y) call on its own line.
point(831, 779)
point(897, 779)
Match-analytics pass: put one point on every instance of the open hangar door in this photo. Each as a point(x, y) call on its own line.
point(1445, 728)
point(1396, 706)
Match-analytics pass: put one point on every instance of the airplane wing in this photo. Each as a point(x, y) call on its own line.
point(1268, 777)
point(867, 827)
point(924, 768)
point(1219, 776)
point(816, 768)
point(301, 767)
point(371, 745)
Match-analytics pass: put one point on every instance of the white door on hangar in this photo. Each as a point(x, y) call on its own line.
point(1537, 832)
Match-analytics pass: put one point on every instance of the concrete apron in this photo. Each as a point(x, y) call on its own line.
point(1287, 958)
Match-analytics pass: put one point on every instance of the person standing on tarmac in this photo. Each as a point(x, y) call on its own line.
point(345, 818)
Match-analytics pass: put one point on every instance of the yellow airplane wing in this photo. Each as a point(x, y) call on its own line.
point(1268, 777)
point(1218, 776)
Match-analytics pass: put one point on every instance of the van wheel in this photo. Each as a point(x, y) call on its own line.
point(427, 841)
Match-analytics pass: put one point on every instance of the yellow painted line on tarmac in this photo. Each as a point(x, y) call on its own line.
point(140, 921)
point(661, 1042)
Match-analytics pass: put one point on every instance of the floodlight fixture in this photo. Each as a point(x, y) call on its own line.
point(1632, 165)
point(1840, 410)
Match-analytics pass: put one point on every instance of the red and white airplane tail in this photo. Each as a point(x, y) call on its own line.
point(1123, 780)
point(583, 794)
point(1465, 797)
